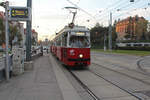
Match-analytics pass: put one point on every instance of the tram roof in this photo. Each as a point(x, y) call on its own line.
point(76, 28)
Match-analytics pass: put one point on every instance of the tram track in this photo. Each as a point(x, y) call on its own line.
point(147, 83)
point(140, 67)
point(117, 85)
point(90, 91)
point(101, 76)
point(141, 70)
point(84, 86)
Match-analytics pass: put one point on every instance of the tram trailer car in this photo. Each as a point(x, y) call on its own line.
point(72, 46)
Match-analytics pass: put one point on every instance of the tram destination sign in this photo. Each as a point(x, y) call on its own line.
point(20, 13)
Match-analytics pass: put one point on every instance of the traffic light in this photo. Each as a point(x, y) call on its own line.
point(131, 0)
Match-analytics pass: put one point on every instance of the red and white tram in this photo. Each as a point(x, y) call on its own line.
point(72, 46)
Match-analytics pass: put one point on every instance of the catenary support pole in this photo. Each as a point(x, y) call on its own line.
point(29, 33)
point(110, 32)
point(104, 42)
point(7, 40)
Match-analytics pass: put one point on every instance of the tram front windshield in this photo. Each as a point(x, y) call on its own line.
point(79, 42)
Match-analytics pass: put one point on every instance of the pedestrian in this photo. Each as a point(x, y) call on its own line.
point(47, 50)
point(41, 50)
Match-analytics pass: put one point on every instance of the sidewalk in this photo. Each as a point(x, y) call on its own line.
point(39, 84)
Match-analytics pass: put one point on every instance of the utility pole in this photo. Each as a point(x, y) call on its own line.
point(110, 32)
point(7, 40)
point(104, 42)
point(29, 33)
point(7, 67)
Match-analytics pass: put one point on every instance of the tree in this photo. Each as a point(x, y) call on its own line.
point(13, 32)
point(141, 29)
point(97, 35)
point(114, 33)
point(98, 32)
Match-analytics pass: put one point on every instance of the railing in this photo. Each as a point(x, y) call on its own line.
point(133, 44)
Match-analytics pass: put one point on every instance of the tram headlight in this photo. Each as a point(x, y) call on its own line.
point(80, 55)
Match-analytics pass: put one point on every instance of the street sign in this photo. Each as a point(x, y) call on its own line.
point(20, 13)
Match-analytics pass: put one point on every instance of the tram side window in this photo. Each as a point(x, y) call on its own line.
point(58, 42)
point(64, 40)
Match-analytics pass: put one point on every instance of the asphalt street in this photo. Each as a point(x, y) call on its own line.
point(109, 77)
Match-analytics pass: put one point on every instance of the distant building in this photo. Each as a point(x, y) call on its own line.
point(128, 29)
point(2, 15)
point(34, 36)
point(148, 27)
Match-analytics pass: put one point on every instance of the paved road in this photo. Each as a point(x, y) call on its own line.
point(122, 60)
point(48, 82)
point(123, 71)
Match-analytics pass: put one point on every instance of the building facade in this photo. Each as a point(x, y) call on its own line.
point(1, 14)
point(148, 27)
point(34, 37)
point(131, 28)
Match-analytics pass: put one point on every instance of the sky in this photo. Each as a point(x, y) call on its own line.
point(50, 16)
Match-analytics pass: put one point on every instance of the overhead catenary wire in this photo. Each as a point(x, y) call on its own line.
point(118, 9)
point(108, 8)
point(114, 12)
point(127, 12)
point(81, 9)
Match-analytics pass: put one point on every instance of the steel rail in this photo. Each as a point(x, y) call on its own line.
point(101, 76)
point(141, 71)
point(84, 86)
point(140, 67)
point(147, 83)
